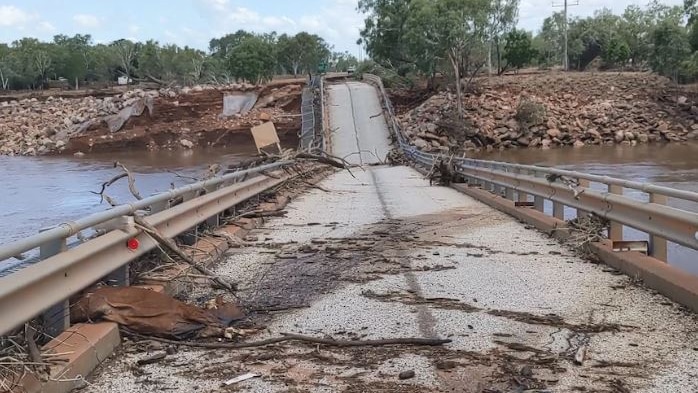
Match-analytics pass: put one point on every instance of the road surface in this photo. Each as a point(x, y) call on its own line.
point(359, 131)
point(385, 255)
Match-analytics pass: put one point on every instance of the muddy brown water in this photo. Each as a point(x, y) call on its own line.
point(37, 192)
point(670, 165)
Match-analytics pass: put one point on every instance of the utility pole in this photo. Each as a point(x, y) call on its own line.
point(565, 4)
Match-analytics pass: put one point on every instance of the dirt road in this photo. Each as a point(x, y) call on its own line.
point(384, 255)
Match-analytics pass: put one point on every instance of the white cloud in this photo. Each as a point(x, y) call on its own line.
point(46, 27)
point(218, 5)
point(87, 21)
point(134, 29)
point(337, 21)
point(244, 15)
point(11, 16)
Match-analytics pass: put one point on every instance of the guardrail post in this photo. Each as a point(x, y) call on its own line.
point(615, 231)
point(57, 318)
point(538, 201)
point(583, 183)
point(658, 245)
point(521, 196)
point(559, 211)
point(509, 192)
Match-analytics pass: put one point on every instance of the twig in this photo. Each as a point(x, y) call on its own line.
point(152, 231)
point(131, 180)
point(32, 348)
point(297, 337)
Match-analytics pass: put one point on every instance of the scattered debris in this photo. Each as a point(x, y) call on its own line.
point(406, 374)
point(152, 313)
point(240, 378)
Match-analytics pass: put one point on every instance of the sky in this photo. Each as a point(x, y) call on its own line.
point(195, 22)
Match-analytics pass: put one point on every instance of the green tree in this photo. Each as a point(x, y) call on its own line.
point(453, 30)
point(670, 48)
point(502, 18)
point(220, 47)
point(253, 59)
point(615, 52)
point(385, 32)
point(519, 51)
point(302, 52)
point(73, 56)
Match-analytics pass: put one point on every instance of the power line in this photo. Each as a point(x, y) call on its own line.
point(565, 4)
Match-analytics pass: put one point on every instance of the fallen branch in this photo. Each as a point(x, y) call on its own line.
point(155, 234)
point(297, 337)
point(131, 180)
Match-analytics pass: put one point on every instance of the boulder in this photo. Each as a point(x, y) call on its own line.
point(186, 143)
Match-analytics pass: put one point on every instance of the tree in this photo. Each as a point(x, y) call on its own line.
point(341, 61)
point(385, 31)
point(125, 52)
point(220, 47)
point(615, 52)
point(518, 51)
point(670, 48)
point(549, 42)
point(503, 17)
point(453, 30)
point(302, 52)
point(72, 56)
point(253, 59)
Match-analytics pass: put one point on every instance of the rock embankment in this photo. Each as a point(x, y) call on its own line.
point(555, 109)
point(32, 126)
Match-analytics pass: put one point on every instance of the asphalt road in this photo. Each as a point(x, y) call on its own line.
point(359, 131)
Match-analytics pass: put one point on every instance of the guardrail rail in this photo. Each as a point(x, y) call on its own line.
point(43, 284)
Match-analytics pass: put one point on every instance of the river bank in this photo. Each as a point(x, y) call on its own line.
point(138, 119)
point(550, 109)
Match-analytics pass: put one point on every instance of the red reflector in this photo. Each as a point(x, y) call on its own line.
point(133, 244)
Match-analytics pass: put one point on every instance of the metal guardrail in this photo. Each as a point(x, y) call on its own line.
point(312, 104)
point(62, 272)
point(519, 182)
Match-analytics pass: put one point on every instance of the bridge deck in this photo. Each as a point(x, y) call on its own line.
point(385, 255)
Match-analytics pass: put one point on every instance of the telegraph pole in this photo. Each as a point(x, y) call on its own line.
point(565, 4)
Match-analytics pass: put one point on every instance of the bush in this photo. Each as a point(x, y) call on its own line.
point(529, 113)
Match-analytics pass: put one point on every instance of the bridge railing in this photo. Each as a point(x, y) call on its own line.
point(311, 137)
point(43, 284)
point(532, 186)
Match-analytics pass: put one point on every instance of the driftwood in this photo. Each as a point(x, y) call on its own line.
point(314, 340)
point(169, 244)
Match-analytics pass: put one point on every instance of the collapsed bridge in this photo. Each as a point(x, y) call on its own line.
point(376, 253)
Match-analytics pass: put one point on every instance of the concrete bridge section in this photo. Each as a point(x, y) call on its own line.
point(381, 254)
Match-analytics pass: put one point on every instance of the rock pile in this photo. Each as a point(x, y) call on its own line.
point(574, 109)
point(32, 127)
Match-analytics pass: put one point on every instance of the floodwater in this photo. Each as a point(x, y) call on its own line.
point(670, 165)
point(38, 192)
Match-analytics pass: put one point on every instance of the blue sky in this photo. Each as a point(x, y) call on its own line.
point(194, 22)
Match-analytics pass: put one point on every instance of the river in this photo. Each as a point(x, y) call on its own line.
point(671, 165)
point(37, 192)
